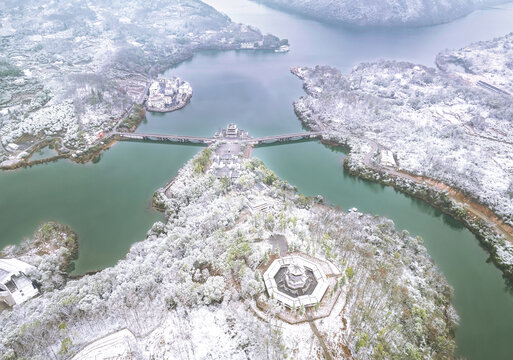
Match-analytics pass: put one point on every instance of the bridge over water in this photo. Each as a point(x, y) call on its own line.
point(125, 136)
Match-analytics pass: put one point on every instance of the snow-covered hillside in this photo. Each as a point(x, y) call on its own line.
point(452, 126)
point(383, 12)
point(192, 289)
point(489, 61)
point(70, 70)
point(435, 124)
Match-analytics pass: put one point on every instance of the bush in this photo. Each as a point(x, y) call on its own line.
point(131, 122)
point(8, 70)
point(202, 162)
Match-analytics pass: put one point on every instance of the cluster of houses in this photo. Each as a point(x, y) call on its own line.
point(251, 45)
point(168, 94)
point(257, 44)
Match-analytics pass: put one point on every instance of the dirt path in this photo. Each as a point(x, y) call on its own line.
point(317, 333)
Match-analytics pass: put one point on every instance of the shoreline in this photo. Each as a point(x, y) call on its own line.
point(487, 227)
point(96, 149)
point(476, 217)
point(493, 233)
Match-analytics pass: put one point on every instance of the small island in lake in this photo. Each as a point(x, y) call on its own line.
point(168, 94)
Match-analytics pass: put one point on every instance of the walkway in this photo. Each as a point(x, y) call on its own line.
point(163, 138)
point(126, 136)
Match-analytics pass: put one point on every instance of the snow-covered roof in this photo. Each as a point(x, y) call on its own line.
point(9, 267)
point(290, 301)
point(15, 286)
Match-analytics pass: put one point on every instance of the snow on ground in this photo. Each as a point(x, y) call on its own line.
point(384, 12)
point(71, 71)
point(187, 291)
point(436, 124)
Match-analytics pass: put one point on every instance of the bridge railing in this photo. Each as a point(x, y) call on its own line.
point(209, 140)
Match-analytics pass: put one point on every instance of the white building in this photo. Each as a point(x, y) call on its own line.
point(386, 158)
point(12, 147)
point(232, 131)
point(247, 45)
point(154, 88)
point(15, 286)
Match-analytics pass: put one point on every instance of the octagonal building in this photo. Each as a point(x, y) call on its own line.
point(294, 281)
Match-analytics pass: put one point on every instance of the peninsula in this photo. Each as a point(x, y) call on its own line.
point(440, 134)
point(201, 283)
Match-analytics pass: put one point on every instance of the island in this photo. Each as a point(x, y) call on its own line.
point(168, 94)
point(246, 267)
point(444, 134)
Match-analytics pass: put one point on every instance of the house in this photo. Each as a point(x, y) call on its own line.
point(15, 286)
point(386, 158)
point(12, 147)
point(247, 45)
point(258, 205)
point(154, 88)
point(169, 91)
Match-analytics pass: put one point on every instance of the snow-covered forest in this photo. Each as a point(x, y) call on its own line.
point(444, 124)
point(190, 289)
point(383, 12)
point(70, 70)
point(489, 61)
point(436, 124)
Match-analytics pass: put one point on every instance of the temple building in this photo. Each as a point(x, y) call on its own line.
point(296, 281)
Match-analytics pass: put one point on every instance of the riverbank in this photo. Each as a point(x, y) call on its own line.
point(81, 98)
point(428, 133)
point(427, 122)
point(493, 233)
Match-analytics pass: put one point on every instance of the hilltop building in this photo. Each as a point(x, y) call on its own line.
point(296, 281)
point(307, 286)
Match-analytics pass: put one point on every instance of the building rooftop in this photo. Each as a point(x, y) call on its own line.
point(296, 281)
point(15, 286)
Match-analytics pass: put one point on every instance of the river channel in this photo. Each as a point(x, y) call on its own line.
point(108, 203)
